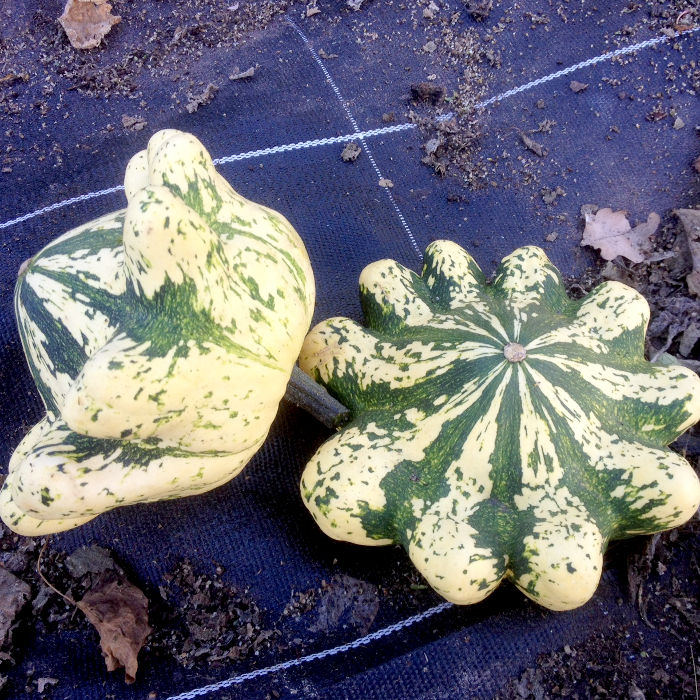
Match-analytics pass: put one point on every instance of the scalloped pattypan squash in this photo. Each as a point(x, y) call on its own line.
point(161, 339)
point(498, 431)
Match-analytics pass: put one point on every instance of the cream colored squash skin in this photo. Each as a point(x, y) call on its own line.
point(499, 430)
point(161, 339)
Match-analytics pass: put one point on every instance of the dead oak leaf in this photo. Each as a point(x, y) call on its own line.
point(119, 612)
point(86, 22)
point(610, 232)
point(14, 593)
point(690, 218)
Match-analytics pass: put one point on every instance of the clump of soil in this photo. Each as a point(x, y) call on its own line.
point(202, 619)
point(450, 122)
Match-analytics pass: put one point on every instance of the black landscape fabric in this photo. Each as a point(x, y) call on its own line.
point(240, 579)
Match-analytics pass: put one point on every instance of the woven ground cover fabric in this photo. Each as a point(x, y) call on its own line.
point(321, 81)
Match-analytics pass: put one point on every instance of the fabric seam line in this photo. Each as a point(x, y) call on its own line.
point(272, 150)
point(353, 122)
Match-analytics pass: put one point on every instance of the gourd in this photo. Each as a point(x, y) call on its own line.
point(161, 339)
point(498, 430)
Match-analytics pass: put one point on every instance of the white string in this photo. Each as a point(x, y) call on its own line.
point(272, 150)
point(365, 146)
point(341, 649)
point(361, 135)
point(583, 64)
point(58, 205)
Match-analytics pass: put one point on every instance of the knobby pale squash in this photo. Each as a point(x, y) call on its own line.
point(498, 430)
point(161, 339)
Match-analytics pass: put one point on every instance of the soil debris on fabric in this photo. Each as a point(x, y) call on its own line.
point(195, 617)
point(200, 619)
point(175, 50)
point(203, 619)
point(447, 114)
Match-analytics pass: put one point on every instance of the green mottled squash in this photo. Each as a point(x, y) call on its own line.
point(161, 339)
point(498, 430)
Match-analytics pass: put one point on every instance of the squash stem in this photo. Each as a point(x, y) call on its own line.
point(304, 392)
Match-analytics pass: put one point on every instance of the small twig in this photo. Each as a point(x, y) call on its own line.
point(48, 583)
point(695, 673)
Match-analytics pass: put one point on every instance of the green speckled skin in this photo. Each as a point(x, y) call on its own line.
point(499, 430)
point(161, 339)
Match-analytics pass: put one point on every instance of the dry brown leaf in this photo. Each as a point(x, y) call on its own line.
point(611, 233)
point(133, 123)
point(14, 593)
point(242, 75)
point(690, 218)
point(119, 612)
point(533, 146)
point(577, 86)
point(87, 22)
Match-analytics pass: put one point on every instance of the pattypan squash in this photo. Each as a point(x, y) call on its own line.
point(498, 430)
point(161, 339)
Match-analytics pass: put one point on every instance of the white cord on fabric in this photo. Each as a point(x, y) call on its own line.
point(328, 141)
point(292, 663)
point(361, 135)
point(59, 205)
point(272, 150)
point(583, 64)
point(365, 146)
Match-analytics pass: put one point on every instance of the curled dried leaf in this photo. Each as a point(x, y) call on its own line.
point(533, 146)
point(119, 612)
